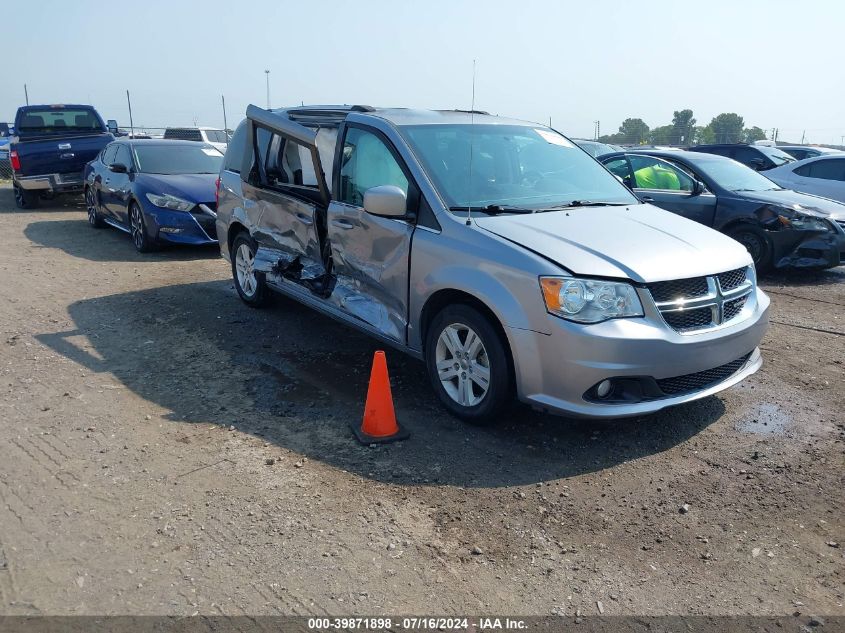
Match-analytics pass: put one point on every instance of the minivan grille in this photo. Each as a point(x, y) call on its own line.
point(732, 279)
point(699, 303)
point(702, 379)
point(679, 288)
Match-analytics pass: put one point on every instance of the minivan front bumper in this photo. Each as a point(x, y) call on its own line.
point(558, 372)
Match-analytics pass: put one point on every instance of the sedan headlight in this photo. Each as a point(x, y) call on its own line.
point(166, 201)
point(589, 300)
point(794, 219)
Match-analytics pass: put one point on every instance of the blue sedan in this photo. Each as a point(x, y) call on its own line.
point(158, 191)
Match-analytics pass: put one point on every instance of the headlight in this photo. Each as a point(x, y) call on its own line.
point(166, 201)
point(794, 219)
point(589, 300)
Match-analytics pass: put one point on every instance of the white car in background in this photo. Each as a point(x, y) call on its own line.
point(819, 176)
point(212, 136)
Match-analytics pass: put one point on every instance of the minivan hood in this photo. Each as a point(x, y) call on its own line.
point(638, 242)
point(789, 198)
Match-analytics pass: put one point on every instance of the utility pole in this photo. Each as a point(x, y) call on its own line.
point(26, 94)
point(267, 74)
point(225, 125)
point(131, 125)
point(802, 136)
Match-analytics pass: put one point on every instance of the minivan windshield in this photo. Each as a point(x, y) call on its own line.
point(177, 159)
point(734, 176)
point(511, 166)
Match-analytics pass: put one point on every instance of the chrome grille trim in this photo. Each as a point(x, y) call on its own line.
point(726, 296)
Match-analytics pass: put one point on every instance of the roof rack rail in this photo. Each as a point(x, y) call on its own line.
point(469, 111)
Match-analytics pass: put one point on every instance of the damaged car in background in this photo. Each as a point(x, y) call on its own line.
point(780, 228)
point(496, 251)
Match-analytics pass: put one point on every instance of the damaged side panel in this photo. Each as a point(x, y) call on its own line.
point(288, 226)
point(371, 265)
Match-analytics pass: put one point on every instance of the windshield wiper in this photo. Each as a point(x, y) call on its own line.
point(584, 203)
point(494, 209)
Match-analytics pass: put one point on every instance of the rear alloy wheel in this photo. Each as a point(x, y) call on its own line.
point(138, 229)
point(93, 207)
point(467, 363)
point(25, 199)
point(756, 242)
point(250, 284)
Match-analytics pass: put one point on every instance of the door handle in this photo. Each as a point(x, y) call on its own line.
point(646, 198)
point(343, 223)
point(304, 219)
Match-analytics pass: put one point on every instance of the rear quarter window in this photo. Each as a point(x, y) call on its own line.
point(235, 150)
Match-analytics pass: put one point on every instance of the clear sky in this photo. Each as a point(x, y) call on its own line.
point(778, 63)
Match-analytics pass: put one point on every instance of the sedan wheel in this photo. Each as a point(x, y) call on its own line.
point(138, 230)
point(91, 204)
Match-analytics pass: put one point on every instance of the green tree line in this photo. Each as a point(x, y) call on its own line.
point(727, 127)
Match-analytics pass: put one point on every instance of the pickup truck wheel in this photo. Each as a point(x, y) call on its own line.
point(468, 365)
point(755, 240)
point(251, 285)
point(25, 199)
point(138, 230)
point(93, 207)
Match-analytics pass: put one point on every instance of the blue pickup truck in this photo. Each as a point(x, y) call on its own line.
point(50, 148)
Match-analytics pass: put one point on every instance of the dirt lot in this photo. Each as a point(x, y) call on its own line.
point(141, 403)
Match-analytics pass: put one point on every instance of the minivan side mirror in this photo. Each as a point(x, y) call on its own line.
point(118, 168)
point(111, 124)
point(698, 188)
point(386, 200)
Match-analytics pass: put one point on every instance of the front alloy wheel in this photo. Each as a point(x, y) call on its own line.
point(468, 363)
point(138, 230)
point(462, 365)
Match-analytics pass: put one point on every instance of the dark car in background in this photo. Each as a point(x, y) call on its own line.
point(157, 191)
point(596, 149)
point(780, 228)
point(757, 157)
point(51, 145)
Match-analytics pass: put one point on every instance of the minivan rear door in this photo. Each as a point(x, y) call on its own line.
point(283, 177)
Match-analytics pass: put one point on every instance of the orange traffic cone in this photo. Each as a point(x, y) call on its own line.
point(379, 423)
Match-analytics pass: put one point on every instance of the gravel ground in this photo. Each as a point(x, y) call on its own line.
point(166, 450)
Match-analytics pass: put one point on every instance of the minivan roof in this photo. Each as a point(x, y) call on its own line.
point(397, 116)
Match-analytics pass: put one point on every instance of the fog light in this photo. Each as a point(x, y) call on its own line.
point(170, 229)
point(603, 389)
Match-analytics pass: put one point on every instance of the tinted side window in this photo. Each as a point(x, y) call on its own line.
point(123, 155)
point(108, 154)
point(654, 173)
point(721, 151)
point(830, 169)
point(619, 167)
point(747, 155)
point(367, 162)
point(235, 151)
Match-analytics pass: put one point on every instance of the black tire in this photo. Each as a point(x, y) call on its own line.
point(255, 295)
point(499, 395)
point(756, 242)
point(25, 199)
point(138, 229)
point(92, 205)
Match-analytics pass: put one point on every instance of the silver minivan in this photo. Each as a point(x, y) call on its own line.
point(497, 251)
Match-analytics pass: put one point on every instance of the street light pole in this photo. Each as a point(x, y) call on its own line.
point(267, 74)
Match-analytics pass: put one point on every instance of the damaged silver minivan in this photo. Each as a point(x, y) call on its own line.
point(495, 250)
